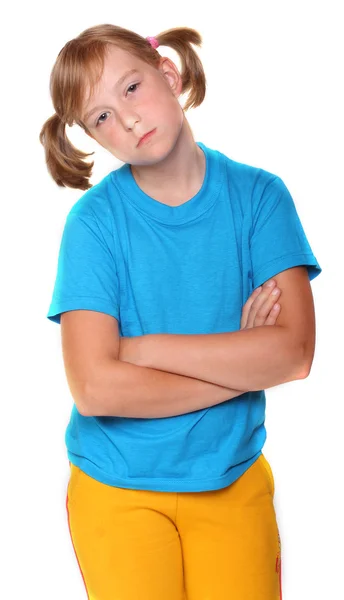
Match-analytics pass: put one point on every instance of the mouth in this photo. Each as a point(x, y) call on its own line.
point(146, 137)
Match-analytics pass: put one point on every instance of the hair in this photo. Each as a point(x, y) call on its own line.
point(79, 64)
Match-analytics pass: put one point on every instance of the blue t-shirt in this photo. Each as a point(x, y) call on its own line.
point(187, 269)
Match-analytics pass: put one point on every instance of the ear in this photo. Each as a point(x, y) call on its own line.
point(170, 73)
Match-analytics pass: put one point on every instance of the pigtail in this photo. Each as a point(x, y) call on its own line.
point(65, 163)
point(192, 72)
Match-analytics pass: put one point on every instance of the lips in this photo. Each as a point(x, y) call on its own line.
point(146, 136)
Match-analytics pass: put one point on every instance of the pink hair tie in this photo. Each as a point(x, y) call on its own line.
point(153, 42)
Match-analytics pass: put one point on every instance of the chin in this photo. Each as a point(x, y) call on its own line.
point(151, 154)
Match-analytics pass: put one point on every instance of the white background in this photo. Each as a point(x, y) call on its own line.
point(274, 100)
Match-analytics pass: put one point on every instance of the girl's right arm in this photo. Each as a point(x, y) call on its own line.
point(125, 390)
point(117, 388)
point(103, 385)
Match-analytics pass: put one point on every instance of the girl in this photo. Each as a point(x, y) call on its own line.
point(169, 334)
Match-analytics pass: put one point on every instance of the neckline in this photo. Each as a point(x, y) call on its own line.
point(189, 210)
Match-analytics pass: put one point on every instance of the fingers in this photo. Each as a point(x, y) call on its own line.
point(272, 317)
point(247, 307)
point(262, 305)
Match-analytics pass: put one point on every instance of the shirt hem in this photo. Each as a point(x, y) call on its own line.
point(282, 263)
point(164, 485)
point(81, 303)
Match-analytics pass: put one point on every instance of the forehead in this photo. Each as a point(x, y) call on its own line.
point(119, 60)
point(116, 63)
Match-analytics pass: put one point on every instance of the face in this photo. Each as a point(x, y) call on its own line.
point(124, 110)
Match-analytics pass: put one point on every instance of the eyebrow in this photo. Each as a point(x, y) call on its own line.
point(119, 82)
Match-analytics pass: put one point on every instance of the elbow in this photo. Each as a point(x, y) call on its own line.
point(84, 411)
point(80, 397)
point(83, 405)
point(93, 395)
point(101, 392)
point(306, 355)
point(85, 402)
point(304, 372)
point(88, 403)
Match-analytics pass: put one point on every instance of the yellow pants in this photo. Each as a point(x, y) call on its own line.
point(145, 545)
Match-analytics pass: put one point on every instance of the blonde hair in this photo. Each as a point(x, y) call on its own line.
point(79, 64)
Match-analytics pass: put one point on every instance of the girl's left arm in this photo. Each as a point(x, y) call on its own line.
point(249, 359)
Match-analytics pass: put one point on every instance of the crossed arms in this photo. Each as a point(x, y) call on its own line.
point(182, 373)
point(246, 360)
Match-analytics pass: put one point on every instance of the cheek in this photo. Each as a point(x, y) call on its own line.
point(167, 109)
point(109, 139)
point(160, 98)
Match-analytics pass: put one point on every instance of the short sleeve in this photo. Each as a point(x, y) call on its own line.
point(86, 271)
point(278, 241)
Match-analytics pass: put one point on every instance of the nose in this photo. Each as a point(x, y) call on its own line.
point(128, 119)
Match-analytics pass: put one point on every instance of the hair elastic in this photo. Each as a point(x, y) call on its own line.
point(153, 42)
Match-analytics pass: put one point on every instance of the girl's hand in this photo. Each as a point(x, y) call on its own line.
point(261, 308)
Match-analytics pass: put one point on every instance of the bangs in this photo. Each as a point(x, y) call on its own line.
point(90, 72)
point(76, 73)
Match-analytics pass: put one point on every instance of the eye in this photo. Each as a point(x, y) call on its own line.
point(134, 85)
point(99, 122)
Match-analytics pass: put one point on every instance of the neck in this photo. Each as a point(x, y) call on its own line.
point(185, 165)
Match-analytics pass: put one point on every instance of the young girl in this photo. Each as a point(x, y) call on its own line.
point(169, 331)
